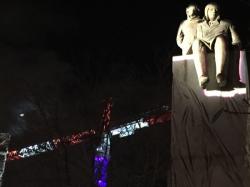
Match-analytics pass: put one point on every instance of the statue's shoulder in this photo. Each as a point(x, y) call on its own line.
point(226, 22)
point(183, 23)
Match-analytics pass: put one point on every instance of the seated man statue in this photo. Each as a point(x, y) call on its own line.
point(213, 34)
point(187, 29)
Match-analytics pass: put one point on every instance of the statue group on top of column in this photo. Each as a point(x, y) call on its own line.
point(210, 34)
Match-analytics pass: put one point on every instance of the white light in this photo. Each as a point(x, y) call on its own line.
point(21, 115)
point(128, 128)
point(218, 93)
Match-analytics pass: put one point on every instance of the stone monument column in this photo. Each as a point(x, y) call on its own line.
point(208, 128)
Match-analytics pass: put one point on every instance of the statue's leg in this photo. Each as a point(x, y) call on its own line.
point(221, 52)
point(199, 52)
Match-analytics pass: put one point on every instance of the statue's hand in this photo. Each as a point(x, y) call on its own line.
point(237, 46)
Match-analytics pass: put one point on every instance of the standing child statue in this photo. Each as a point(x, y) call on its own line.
point(187, 30)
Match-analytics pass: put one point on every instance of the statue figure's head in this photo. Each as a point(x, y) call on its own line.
point(212, 12)
point(192, 11)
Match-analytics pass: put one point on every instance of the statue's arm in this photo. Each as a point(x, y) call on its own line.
point(199, 32)
point(234, 35)
point(180, 36)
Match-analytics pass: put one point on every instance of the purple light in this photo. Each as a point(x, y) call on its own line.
point(99, 158)
point(101, 167)
point(102, 183)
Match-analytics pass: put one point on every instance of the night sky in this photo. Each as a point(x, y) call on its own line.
point(61, 59)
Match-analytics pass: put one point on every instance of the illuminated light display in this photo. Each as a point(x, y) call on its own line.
point(102, 160)
point(123, 130)
point(75, 138)
point(158, 119)
point(49, 145)
point(31, 150)
point(106, 116)
point(103, 150)
point(4, 143)
point(102, 156)
point(13, 155)
point(129, 128)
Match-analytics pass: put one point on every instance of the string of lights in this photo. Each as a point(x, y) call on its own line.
point(123, 130)
point(49, 145)
point(102, 157)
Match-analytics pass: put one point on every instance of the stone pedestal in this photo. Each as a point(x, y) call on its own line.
point(208, 129)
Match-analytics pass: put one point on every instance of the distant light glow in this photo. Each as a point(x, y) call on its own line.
point(21, 115)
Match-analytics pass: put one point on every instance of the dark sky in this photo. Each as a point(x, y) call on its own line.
point(65, 26)
point(50, 49)
point(64, 45)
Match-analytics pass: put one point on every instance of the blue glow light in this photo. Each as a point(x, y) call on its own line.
point(101, 167)
point(102, 160)
point(102, 183)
